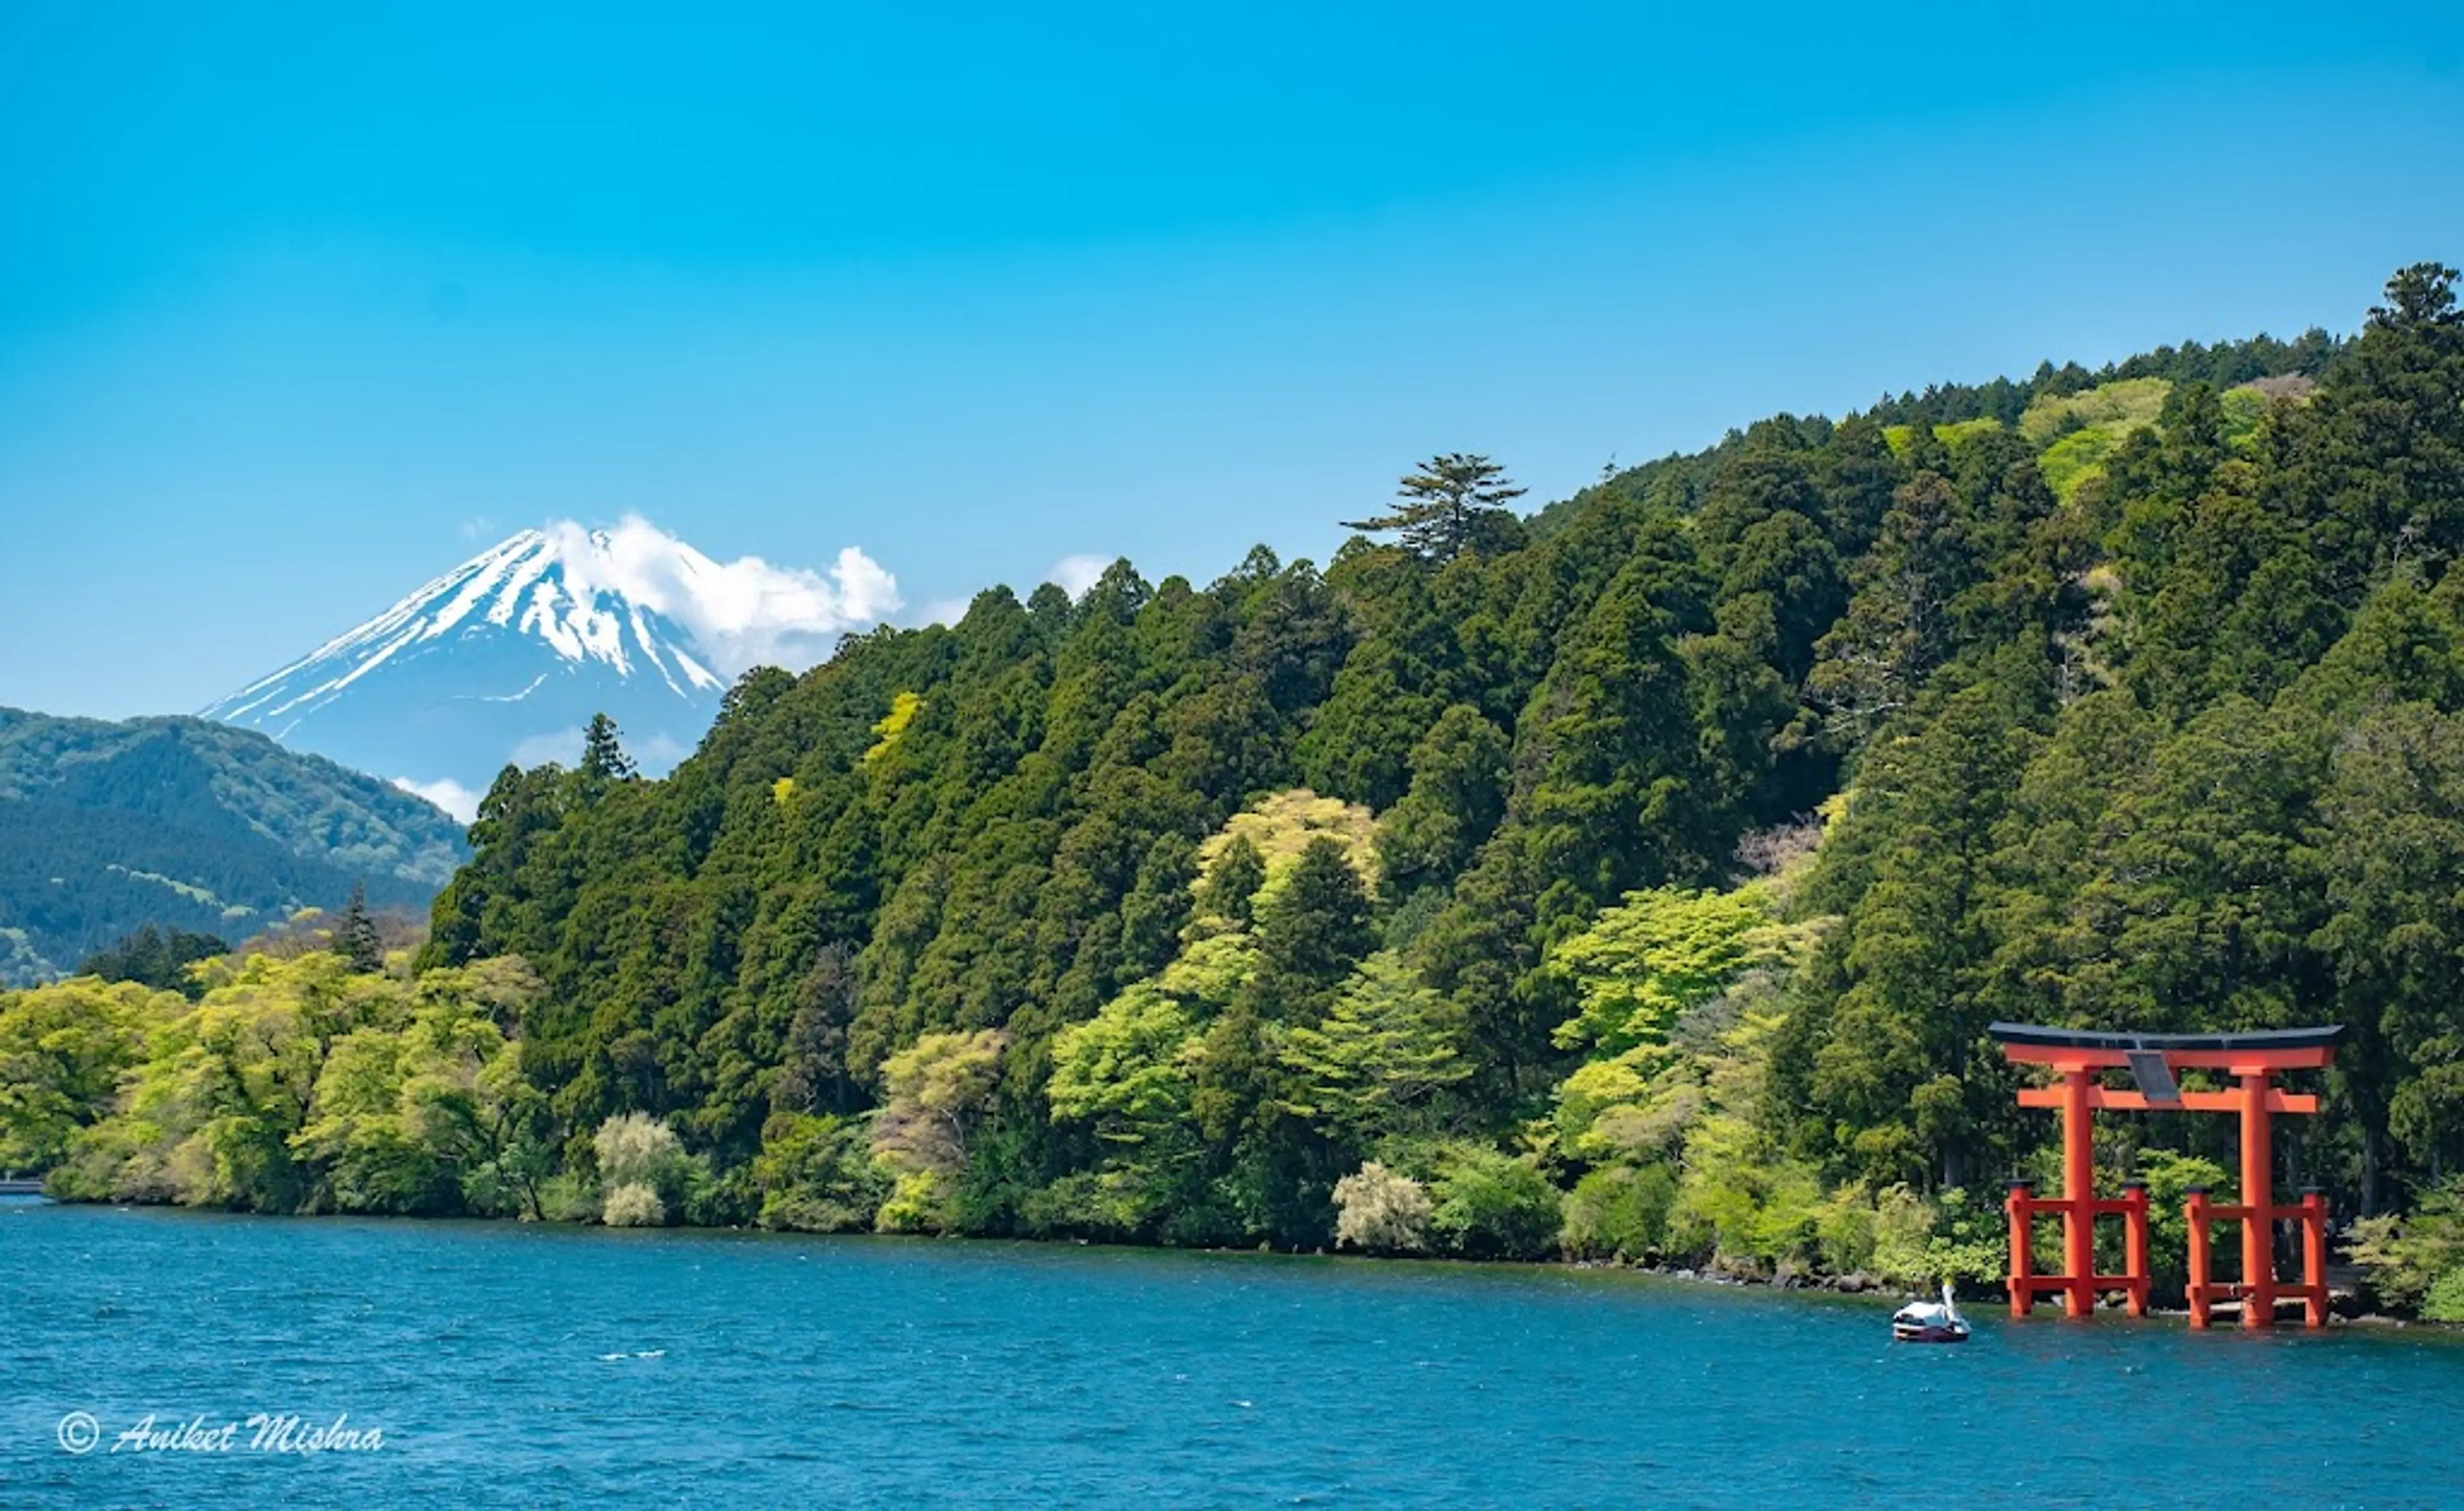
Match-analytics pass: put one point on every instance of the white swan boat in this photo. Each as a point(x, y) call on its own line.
point(1929, 1322)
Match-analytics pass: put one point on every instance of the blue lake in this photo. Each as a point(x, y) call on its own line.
point(542, 1366)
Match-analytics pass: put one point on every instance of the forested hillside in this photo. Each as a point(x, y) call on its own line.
point(1637, 878)
point(193, 825)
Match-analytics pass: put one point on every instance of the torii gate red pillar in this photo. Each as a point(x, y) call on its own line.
point(2254, 1060)
point(2259, 1194)
point(2078, 1283)
point(2259, 1212)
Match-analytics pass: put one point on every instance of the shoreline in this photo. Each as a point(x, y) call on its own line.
point(1856, 1285)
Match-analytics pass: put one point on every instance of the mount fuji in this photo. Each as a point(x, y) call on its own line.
point(505, 658)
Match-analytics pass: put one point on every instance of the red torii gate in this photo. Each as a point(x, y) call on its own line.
point(2254, 1060)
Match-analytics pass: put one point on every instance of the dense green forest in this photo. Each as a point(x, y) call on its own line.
point(191, 826)
point(1635, 877)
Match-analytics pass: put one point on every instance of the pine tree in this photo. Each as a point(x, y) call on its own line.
point(1232, 882)
point(812, 1076)
point(1311, 930)
point(1898, 626)
point(1459, 771)
point(355, 935)
point(603, 756)
point(156, 957)
point(1454, 503)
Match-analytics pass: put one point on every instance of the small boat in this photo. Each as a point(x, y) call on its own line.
point(1929, 1322)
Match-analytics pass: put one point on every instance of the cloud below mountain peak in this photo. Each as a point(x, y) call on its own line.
point(739, 614)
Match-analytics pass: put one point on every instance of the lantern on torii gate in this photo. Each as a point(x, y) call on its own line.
point(2253, 1060)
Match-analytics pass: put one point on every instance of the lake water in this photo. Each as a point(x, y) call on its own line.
point(540, 1367)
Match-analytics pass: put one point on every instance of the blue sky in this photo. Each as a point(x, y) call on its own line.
point(300, 305)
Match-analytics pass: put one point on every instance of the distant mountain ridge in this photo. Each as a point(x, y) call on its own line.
point(105, 826)
point(505, 658)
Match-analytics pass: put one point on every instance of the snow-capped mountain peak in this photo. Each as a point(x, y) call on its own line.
point(536, 585)
point(506, 657)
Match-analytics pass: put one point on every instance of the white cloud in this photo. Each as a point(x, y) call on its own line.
point(659, 752)
point(447, 793)
point(561, 746)
point(943, 611)
point(1076, 574)
point(740, 614)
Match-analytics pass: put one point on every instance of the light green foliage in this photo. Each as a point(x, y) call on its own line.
point(2069, 463)
point(2406, 1257)
point(1972, 1238)
point(1494, 1206)
point(1661, 953)
point(1902, 438)
point(1211, 969)
point(63, 1049)
point(2244, 408)
point(356, 1126)
point(1915, 1244)
point(934, 1093)
point(1744, 1204)
point(903, 709)
point(816, 1174)
point(1281, 825)
point(2247, 406)
point(918, 1202)
point(2077, 432)
point(1620, 1211)
point(1128, 1069)
point(1379, 1211)
point(1127, 1200)
point(1893, 1241)
point(1639, 969)
point(2445, 1302)
point(1386, 1049)
point(1960, 433)
point(1684, 982)
point(299, 1085)
point(2130, 405)
point(1631, 1106)
point(207, 1119)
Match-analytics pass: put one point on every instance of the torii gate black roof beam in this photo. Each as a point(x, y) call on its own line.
point(2257, 1038)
